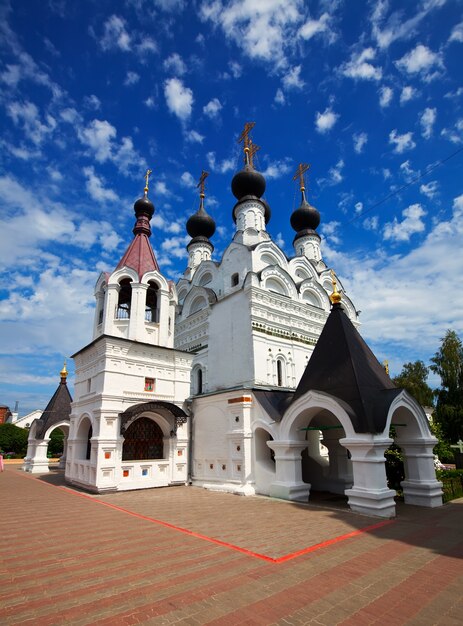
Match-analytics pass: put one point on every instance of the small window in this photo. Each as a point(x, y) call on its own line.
point(235, 279)
point(100, 316)
point(149, 384)
point(279, 373)
point(89, 385)
point(199, 381)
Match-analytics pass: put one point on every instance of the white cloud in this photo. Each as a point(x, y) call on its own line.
point(360, 68)
point(167, 225)
point(371, 223)
point(147, 46)
point(212, 108)
point(100, 137)
point(314, 27)
point(92, 102)
point(360, 140)
point(279, 97)
point(187, 180)
point(457, 33)
point(404, 317)
point(149, 102)
point(385, 96)
point(454, 134)
point(427, 121)
point(407, 94)
point(408, 172)
point(430, 189)
point(358, 206)
point(175, 65)
point(192, 136)
point(26, 116)
point(227, 165)
point(411, 224)
point(277, 169)
point(325, 121)
point(421, 60)
point(175, 246)
point(235, 69)
point(132, 78)
point(263, 30)
point(280, 241)
point(335, 173)
point(179, 98)
point(115, 35)
point(401, 142)
point(330, 230)
point(95, 187)
point(292, 78)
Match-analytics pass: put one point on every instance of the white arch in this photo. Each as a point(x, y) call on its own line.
point(64, 424)
point(157, 278)
point(123, 272)
point(406, 409)
point(310, 296)
point(305, 408)
point(160, 420)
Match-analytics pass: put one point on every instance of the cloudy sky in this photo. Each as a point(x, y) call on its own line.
point(92, 93)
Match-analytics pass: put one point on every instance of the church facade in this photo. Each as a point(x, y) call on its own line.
point(234, 378)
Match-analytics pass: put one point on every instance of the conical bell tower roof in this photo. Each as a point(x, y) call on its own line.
point(343, 366)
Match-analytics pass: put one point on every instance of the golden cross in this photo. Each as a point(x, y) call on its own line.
point(301, 169)
point(253, 148)
point(244, 137)
point(202, 183)
point(147, 177)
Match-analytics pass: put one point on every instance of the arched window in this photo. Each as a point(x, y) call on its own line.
point(151, 308)
point(143, 440)
point(125, 299)
point(235, 279)
point(89, 444)
point(199, 381)
point(280, 373)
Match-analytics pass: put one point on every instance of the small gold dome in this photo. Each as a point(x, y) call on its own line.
point(64, 372)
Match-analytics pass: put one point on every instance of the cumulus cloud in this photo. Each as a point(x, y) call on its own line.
point(427, 121)
point(131, 78)
point(179, 98)
point(457, 33)
point(412, 223)
point(192, 136)
point(95, 187)
point(421, 61)
point(26, 116)
point(385, 97)
point(325, 121)
point(279, 97)
point(212, 108)
point(227, 165)
point(454, 133)
point(360, 140)
point(430, 189)
point(335, 173)
point(292, 78)
point(315, 27)
point(401, 143)
point(407, 94)
point(263, 30)
point(277, 169)
point(175, 65)
point(115, 35)
point(187, 180)
point(360, 67)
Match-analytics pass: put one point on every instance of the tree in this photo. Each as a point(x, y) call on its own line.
point(448, 364)
point(413, 379)
point(13, 439)
point(56, 444)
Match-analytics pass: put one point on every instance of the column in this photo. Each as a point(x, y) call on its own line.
point(370, 494)
point(340, 469)
point(420, 486)
point(289, 484)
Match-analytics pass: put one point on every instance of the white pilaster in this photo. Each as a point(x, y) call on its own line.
point(420, 486)
point(289, 484)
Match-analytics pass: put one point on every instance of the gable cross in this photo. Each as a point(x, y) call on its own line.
point(302, 168)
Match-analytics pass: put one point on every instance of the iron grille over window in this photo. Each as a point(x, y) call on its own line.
point(143, 440)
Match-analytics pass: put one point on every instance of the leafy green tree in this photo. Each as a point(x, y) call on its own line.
point(13, 439)
point(413, 379)
point(448, 364)
point(56, 446)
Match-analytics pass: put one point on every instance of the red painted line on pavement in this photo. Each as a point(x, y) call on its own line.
point(191, 533)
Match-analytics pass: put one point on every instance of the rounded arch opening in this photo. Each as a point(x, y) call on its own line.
point(152, 302)
point(124, 301)
point(205, 279)
point(275, 285)
point(143, 440)
point(198, 304)
point(83, 446)
point(310, 298)
point(265, 468)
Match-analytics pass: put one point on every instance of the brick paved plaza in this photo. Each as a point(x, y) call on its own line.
point(182, 555)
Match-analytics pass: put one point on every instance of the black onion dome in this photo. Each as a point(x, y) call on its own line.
point(200, 224)
point(144, 206)
point(248, 182)
point(306, 217)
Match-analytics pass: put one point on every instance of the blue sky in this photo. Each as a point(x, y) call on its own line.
point(92, 93)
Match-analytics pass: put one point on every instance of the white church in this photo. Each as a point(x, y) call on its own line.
point(247, 376)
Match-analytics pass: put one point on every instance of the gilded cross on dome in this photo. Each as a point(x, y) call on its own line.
point(147, 177)
point(202, 183)
point(302, 168)
point(335, 297)
point(253, 148)
point(245, 139)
